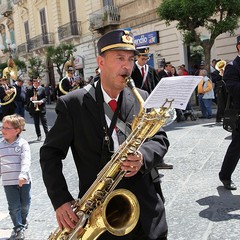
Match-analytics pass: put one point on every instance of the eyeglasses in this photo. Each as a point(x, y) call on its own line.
point(144, 59)
point(6, 128)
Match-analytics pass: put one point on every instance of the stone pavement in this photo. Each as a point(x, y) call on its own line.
point(197, 206)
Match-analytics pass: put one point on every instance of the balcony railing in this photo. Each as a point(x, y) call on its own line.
point(22, 49)
point(109, 15)
point(69, 30)
point(6, 9)
point(40, 41)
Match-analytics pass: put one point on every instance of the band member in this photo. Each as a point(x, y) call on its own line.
point(36, 99)
point(20, 97)
point(67, 83)
point(7, 95)
point(144, 75)
point(83, 126)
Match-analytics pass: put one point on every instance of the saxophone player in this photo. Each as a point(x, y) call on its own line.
point(83, 126)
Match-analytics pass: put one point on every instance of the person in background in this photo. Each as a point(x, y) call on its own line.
point(67, 83)
point(212, 66)
point(15, 161)
point(205, 95)
point(20, 98)
point(166, 72)
point(6, 95)
point(174, 71)
point(37, 109)
point(144, 75)
point(83, 125)
point(231, 77)
point(219, 89)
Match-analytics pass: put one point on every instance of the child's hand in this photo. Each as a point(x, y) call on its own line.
point(21, 181)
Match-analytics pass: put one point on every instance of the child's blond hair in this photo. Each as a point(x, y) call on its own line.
point(15, 120)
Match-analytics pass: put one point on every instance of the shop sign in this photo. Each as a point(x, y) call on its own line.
point(146, 39)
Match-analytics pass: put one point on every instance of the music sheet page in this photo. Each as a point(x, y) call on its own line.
point(179, 89)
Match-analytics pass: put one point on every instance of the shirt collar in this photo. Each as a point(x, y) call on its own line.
point(106, 97)
point(140, 67)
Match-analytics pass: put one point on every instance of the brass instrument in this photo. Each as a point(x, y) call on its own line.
point(35, 97)
point(66, 92)
point(10, 72)
point(11, 93)
point(220, 66)
point(103, 208)
point(69, 63)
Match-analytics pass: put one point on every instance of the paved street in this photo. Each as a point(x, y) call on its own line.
point(198, 207)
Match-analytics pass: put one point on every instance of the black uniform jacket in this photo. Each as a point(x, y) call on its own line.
point(151, 79)
point(41, 95)
point(162, 74)
point(66, 85)
point(78, 125)
point(231, 77)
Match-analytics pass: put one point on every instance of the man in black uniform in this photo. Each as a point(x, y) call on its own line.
point(7, 93)
point(145, 77)
point(81, 125)
point(232, 78)
point(36, 99)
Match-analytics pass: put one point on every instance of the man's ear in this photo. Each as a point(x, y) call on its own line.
point(100, 60)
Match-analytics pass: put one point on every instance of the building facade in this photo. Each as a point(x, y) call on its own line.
point(33, 25)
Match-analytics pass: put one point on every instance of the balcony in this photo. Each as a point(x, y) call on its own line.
point(22, 49)
point(69, 31)
point(40, 41)
point(107, 16)
point(6, 9)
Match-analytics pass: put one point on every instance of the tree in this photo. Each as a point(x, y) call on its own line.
point(59, 55)
point(216, 16)
point(36, 67)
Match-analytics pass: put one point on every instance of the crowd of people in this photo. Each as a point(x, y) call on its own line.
point(106, 108)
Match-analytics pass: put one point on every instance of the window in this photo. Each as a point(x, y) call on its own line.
point(107, 3)
point(43, 25)
point(73, 17)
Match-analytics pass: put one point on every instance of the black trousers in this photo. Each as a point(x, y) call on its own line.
point(8, 109)
point(136, 234)
point(231, 158)
point(37, 116)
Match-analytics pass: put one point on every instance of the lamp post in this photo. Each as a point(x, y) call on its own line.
point(11, 48)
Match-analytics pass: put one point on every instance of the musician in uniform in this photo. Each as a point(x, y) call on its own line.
point(20, 97)
point(144, 75)
point(231, 77)
point(146, 78)
point(83, 126)
point(37, 109)
point(67, 83)
point(6, 96)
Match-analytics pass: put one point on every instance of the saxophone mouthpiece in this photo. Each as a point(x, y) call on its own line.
point(130, 82)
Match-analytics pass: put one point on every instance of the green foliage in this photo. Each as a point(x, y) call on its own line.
point(59, 55)
point(36, 67)
point(21, 65)
point(217, 16)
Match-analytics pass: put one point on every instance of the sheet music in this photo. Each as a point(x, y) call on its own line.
point(178, 88)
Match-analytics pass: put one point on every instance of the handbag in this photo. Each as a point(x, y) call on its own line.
point(231, 117)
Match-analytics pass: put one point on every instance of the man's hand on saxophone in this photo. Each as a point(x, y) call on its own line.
point(133, 164)
point(66, 218)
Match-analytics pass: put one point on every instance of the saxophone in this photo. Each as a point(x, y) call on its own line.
point(103, 208)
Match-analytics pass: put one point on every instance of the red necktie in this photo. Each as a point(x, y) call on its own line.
point(113, 104)
point(143, 72)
